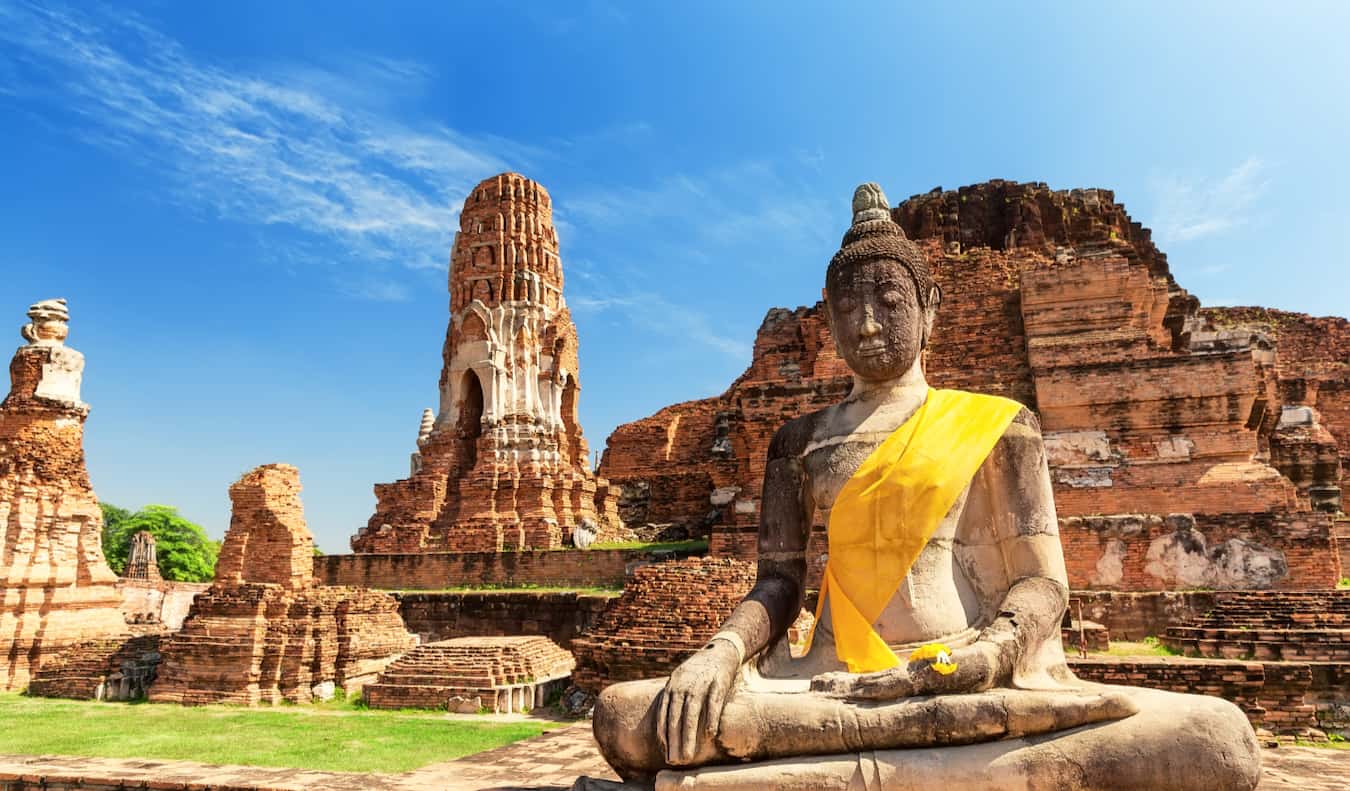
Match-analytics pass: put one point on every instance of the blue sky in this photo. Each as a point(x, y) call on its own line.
point(250, 205)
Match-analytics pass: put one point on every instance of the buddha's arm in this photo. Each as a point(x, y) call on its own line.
point(1031, 611)
point(691, 705)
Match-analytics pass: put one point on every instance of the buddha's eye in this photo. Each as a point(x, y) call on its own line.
point(891, 298)
point(846, 304)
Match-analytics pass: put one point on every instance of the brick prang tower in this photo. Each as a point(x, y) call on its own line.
point(504, 465)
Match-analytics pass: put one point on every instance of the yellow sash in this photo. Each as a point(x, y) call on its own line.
point(884, 515)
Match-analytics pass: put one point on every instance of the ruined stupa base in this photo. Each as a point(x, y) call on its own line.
point(503, 675)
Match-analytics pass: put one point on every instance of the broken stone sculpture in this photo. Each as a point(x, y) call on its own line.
point(935, 660)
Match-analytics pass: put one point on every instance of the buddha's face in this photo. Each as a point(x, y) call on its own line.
point(878, 325)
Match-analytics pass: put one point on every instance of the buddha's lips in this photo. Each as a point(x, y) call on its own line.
point(871, 351)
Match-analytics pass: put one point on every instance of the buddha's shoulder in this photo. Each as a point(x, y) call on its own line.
point(793, 437)
point(1024, 423)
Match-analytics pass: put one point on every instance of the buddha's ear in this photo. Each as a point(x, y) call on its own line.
point(930, 312)
point(825, 305)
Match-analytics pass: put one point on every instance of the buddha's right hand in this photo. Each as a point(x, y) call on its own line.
point(697, 690)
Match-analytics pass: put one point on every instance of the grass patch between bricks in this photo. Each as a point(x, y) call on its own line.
point(1149, 646)
point(334, 737)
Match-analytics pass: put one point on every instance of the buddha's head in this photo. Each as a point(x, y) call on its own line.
point(879, 295)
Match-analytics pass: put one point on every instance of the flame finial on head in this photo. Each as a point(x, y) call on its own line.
point(869, 203)
point(874, 235)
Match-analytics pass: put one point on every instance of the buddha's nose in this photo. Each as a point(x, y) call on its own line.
point(870, 327)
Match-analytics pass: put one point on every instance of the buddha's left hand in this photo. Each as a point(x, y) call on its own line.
point(977, 668)
point(883, 685)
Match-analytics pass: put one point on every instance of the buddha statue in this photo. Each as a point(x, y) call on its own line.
point(935, 661)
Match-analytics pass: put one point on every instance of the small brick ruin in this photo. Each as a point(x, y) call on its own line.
point(472, 674)
point(266, 632)
point(142, 562)
point(503, 464)
point(1188, 447)
point(55, 584)
point(666, 613)
point(108, 668)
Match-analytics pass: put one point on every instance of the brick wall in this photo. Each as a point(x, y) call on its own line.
point(558, 616)
point(164, 602)
point(1291, 551)
point(440, 570)
point(1132, 616)
point(1274, 695)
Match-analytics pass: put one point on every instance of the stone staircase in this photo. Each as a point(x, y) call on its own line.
point(1302, 626)
point(470, 674)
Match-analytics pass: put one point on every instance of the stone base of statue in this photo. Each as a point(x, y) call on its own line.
point(1079, 740)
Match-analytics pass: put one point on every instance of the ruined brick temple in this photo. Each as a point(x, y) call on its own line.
point(502, 464)
point(266, 631)
point(1189, 448)
point(56, 586)
point(142, 561)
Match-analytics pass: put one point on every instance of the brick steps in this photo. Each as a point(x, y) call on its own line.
point(1312, 626)
point(468, 674)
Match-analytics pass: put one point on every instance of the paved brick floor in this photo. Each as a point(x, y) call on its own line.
point(546, 763)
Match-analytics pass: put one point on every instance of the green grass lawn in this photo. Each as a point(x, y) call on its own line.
point(691, 545)
point(1150, 646)
point(336, 737)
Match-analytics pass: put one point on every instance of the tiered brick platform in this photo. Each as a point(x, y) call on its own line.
point(469, 674)
point(667, 612)
point(110, 668)
point(1266, 625)
point(256, 643)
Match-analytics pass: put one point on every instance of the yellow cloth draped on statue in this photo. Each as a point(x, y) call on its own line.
point(884, 515)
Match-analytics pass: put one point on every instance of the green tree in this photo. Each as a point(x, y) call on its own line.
point(185, 553)
point(112, 518)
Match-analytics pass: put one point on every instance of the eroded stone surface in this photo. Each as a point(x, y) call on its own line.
point(503, 465)
point(56, 585)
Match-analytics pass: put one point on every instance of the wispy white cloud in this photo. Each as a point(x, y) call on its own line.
point(655, 314)
point(296, 146)
point(1188, 209)
point(747, 201)
point(746, 216)
point(375, 290)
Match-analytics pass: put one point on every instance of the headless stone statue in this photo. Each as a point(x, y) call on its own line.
point(935, 661)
